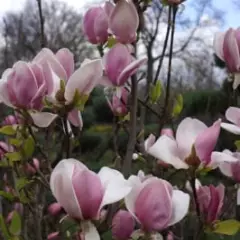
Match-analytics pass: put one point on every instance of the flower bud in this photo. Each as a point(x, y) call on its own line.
point(54, 209)
point(53, 236)
point(122, 225)
point(32, 168)
point(168, 132)
point(10, 120)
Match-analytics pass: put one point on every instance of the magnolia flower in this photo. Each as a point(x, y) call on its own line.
point(83, 80)
point(233, 115)
point(95, 24)
point(83, 193)
point(122, 225)
point(119, 65)
point(118, 105)
point(210, 200)
point(5, 148)
point(10, 120)
point(33, 167)
point(226, 46)
point(193, 137)
point(124, 21)
point(168, 132)
point(155, 204)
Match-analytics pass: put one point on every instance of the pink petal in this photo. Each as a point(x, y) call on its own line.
point(149, 142)
point(116, 60)
point(62, 186)
point(187, 133)
point(101, 27)
point(206, 142)
point(66, 59)
point(218, 44)
point(47, 56)
point(124, 21)
point(166, 149)
point(84, 79)
point(89, 192)
point(153, 206)
point(130, 70)
point(108, 8)
point(231, 51)
point(233, 115)
point(75, 118)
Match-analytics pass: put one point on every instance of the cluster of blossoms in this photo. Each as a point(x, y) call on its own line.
point(149, 205)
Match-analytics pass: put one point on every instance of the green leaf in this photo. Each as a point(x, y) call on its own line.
point(228, 227)
point(29, 147)
point(178, 105)
point(16, 224)
point(22, 182)
point(237, 144)
point(8, 130)
point(155, 91)
point(14, 156)
point(3, 228)
point(111, 42)
point(15, 142)
point(7, 195)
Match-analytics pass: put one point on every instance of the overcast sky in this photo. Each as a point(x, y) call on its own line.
point(227, 6)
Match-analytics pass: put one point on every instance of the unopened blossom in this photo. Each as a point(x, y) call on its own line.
point(119, 65)
point(155, 204)
point(10, 120)
point(5, 148)
point(83, 193)
point(31, 168)
point(82, 80)
point(226, 46)
point(124, 21)
point(54, 209)
point(117, 104)
point(210, 199)
point(54, 236)
point(95, 24)
point(232, 115)
point(122, 225)
point(18, 208)
point(193, 145)
point(168, 132)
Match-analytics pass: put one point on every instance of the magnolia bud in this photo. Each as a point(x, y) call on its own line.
point(54, 236)
point(122, 225)
point(54, 209)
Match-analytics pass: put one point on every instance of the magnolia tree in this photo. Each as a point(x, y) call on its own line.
point(44, 197)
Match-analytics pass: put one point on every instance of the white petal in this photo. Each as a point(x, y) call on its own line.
point(180, 202)
point(197, 185)
point(238, 196)
point(219, 158)
point(130, 199)
point(186, 134)
point(149, 142)
point(166, 149)
point(114, 184)
point(43, 119)
point(89, 230)
point(4, 93)
point(231, 128)
point(218, 44)
point(84, 79)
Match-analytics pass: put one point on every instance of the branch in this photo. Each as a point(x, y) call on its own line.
point(42, 38)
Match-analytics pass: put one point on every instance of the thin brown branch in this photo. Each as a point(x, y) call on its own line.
point(41, 19)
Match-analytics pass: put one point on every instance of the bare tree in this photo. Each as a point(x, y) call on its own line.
point(21, 32)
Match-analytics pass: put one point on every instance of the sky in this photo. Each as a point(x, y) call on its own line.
point(225, 5)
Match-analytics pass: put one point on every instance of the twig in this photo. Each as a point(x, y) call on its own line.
point(164, 44)
point(174, 9)
point(127, 164)
point(42, 36)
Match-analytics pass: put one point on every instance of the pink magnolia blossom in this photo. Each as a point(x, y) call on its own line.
point(83, 80)
point(155, 204)
point(120, 65)
point(33, 167)
point(5, 148)
point(117, 104)
point(95, 24)
point(124, 21)
point(210, 199)
point(168, 132)
point(232, 115)
point(15, 85)
point(226, 46)
point(230, 163)
point(54, 209)
point(83, 193)
point(122, 225)
point(190, 133)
